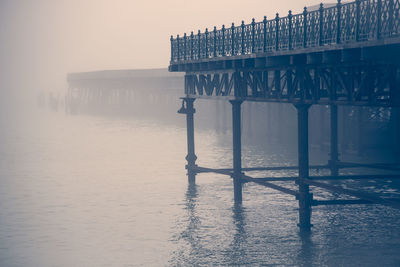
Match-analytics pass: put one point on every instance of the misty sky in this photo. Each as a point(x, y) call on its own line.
point(42, 40)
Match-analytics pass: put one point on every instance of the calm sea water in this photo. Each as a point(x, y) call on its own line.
point(99, 191)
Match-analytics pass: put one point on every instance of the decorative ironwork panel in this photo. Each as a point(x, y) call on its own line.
point(312, 37)
point(204, 45)
point(298, 31)
point(283, 33)
point(348, 22)
point(330, 19)
point(248, 38)
point(237, 41)
point(259, 37)
point(271, 35)
point(228, 42)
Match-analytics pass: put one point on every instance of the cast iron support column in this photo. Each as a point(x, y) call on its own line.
point(396, 131)
point(237, 151)
point(304, 197)
point(191, 156)
point(334, 155)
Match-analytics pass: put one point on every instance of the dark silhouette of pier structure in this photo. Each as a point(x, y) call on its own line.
point(348, 54)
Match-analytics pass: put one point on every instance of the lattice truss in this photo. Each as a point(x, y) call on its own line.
point(375, 85)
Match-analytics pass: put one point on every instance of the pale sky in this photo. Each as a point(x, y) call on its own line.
point(42, 40)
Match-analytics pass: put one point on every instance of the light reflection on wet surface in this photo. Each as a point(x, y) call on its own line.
point(91, 191)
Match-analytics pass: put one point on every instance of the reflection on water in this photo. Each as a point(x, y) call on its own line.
point(98, 191)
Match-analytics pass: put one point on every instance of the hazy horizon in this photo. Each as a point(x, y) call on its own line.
point(44, 40)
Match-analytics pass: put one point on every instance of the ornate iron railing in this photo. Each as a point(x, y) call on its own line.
point(358, 21)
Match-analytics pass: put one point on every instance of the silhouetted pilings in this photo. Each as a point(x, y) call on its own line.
point(303, 180)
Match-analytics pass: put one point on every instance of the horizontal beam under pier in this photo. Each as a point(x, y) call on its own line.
point(385, 166)
point(362, 195)
point(340, 202)
point(228, 171)
point(282, 189)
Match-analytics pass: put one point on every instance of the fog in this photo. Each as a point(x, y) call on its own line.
point(43, 40)
point(92, 172)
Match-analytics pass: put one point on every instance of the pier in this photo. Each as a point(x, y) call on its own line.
point(344, 55)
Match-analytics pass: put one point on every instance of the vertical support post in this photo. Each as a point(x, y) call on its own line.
point(396, 112)
point(199, 44)
point(334, 155)
point(215, 41)
point(290, 30)
point(184, 46)
point(237, 151)
point(233, 39)
point(360, 132)
point(253, 36)
point(339, 21)
point(191, 156)
point(277, 32)
point(191, 46)
point(305, 27)
point(321, 24)
point(172, 49)
point(177, 46)
point(206, 44)
point(223, 40)
point(265, 34)
point(304, 197)
point(243, 43)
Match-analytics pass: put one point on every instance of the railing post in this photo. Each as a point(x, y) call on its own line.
point(321, 24)
point(199, 44)
point(177, 44)
point(184, 46)
point(191, 46)
point(339, 19)
point(206, 44)
point(379, 19)
point(172, 48)
point(243, 44)
point(277, 32)
point(305, 27)
point(357, 20)
point(223, 40)
point(233, 39)
point(290, 30)
point(215, 41)
point(253, 33)
point(265, 34)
